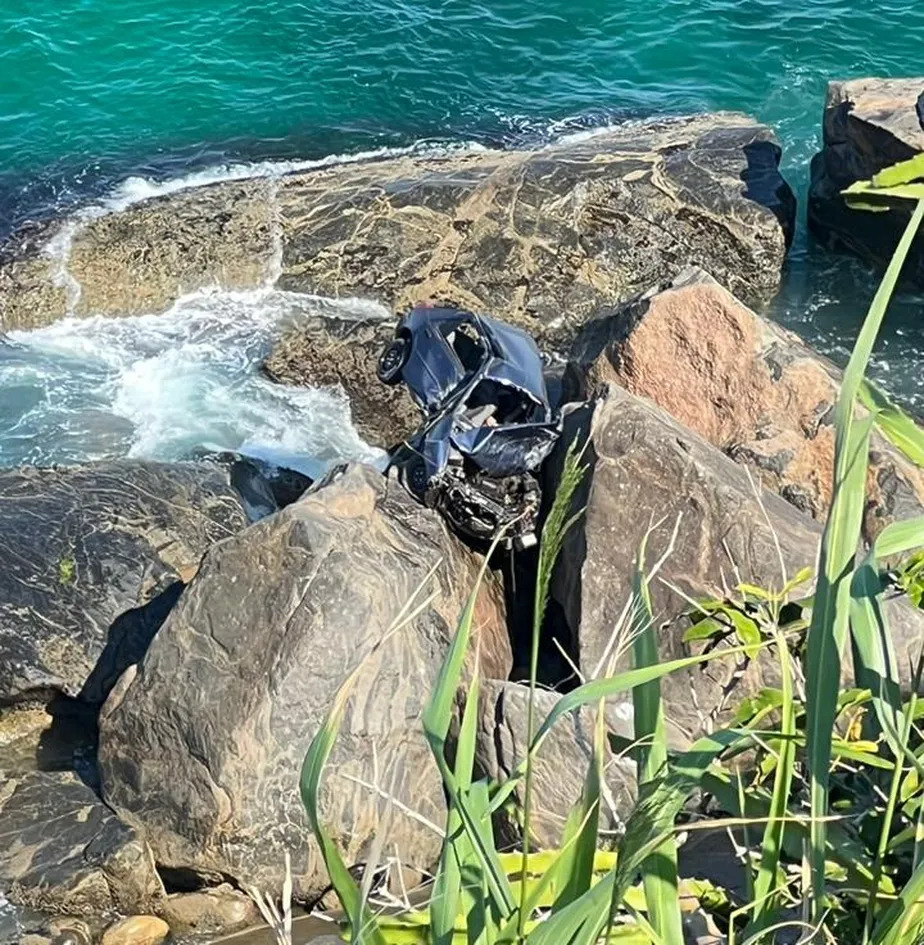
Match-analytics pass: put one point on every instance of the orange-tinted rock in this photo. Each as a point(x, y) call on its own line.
point(746, 385)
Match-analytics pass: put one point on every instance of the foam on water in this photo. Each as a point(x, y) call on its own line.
point(165, 386)
point(135, 189)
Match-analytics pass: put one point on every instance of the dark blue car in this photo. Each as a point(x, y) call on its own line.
point(488, 423)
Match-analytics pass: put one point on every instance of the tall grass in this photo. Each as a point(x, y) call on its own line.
point(834, 847)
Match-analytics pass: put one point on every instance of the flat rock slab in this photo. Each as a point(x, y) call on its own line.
point(62, 850)
point(82, 547)
point(202, 746)
point(325, 351)
point(869, 124)
point(747, 386)
point(542, 238)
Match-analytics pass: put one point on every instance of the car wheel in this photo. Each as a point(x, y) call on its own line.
point(416, 480)
point(393, 359)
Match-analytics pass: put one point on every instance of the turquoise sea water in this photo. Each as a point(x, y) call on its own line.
point(96, 91)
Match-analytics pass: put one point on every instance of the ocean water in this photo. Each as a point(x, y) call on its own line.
point(104, 102)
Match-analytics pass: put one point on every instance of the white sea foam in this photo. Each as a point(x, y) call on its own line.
point(164, 386)
point(135, 189)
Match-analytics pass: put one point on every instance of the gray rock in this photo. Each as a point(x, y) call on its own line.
point(645, 469)
point(85, 548)
point(209, 911)
point(201, 748)
point(869, 124)
point(329, 351)
point(541, 238)
point(62, 850)
point(747, 386)
point(561, 764)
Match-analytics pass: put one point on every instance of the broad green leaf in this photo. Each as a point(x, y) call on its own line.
point(748, 632)
point(904, 172)
point(705, 629)
point(894, 424)
point(863, 189)
point(900, 537)
point(457, 853)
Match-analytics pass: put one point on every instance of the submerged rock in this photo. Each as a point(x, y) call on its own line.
point(201, 747)
point(63, 851)
point(93, 557)
point(747, 386)
point(869, 124)
point(560, 765)
point(542, 238)
point(330, 351)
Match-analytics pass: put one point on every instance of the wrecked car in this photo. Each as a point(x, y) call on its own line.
point(488, 423)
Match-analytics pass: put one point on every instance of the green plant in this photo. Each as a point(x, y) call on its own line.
point(831, 804)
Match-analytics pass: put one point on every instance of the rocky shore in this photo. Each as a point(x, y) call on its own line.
point(172, 635)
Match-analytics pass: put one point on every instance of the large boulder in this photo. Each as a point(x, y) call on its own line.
point(201, 745)
point(646, 470)
point(543, 238)
point(561, 763)
point(63, 851)
point(747, 386)
point(325, 350)
point(869, 124)
point(84, 549)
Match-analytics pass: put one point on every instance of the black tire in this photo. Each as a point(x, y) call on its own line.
point(415, 478)
point(393, 359)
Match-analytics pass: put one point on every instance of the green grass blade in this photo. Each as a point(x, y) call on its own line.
point(447, 887)
point(899, 538)
point(652, 821)
point(830, 615)
point(903, 922)
point(574, 869)
point(553, 535)
point(894, 424)
point(348, 892)
point(875, 665)
point(659, 871)
point(598, 689)
point(437, 719)
point(772, 846)
point(828, 633)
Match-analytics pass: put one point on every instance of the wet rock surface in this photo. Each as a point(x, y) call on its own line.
point(326, 351)
point(201, 746)
point(869, 124)
point(561, 764)
point(747, 386)
point(541, 238)
point(84, 550)
point(62, 850)
point(211, 911)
